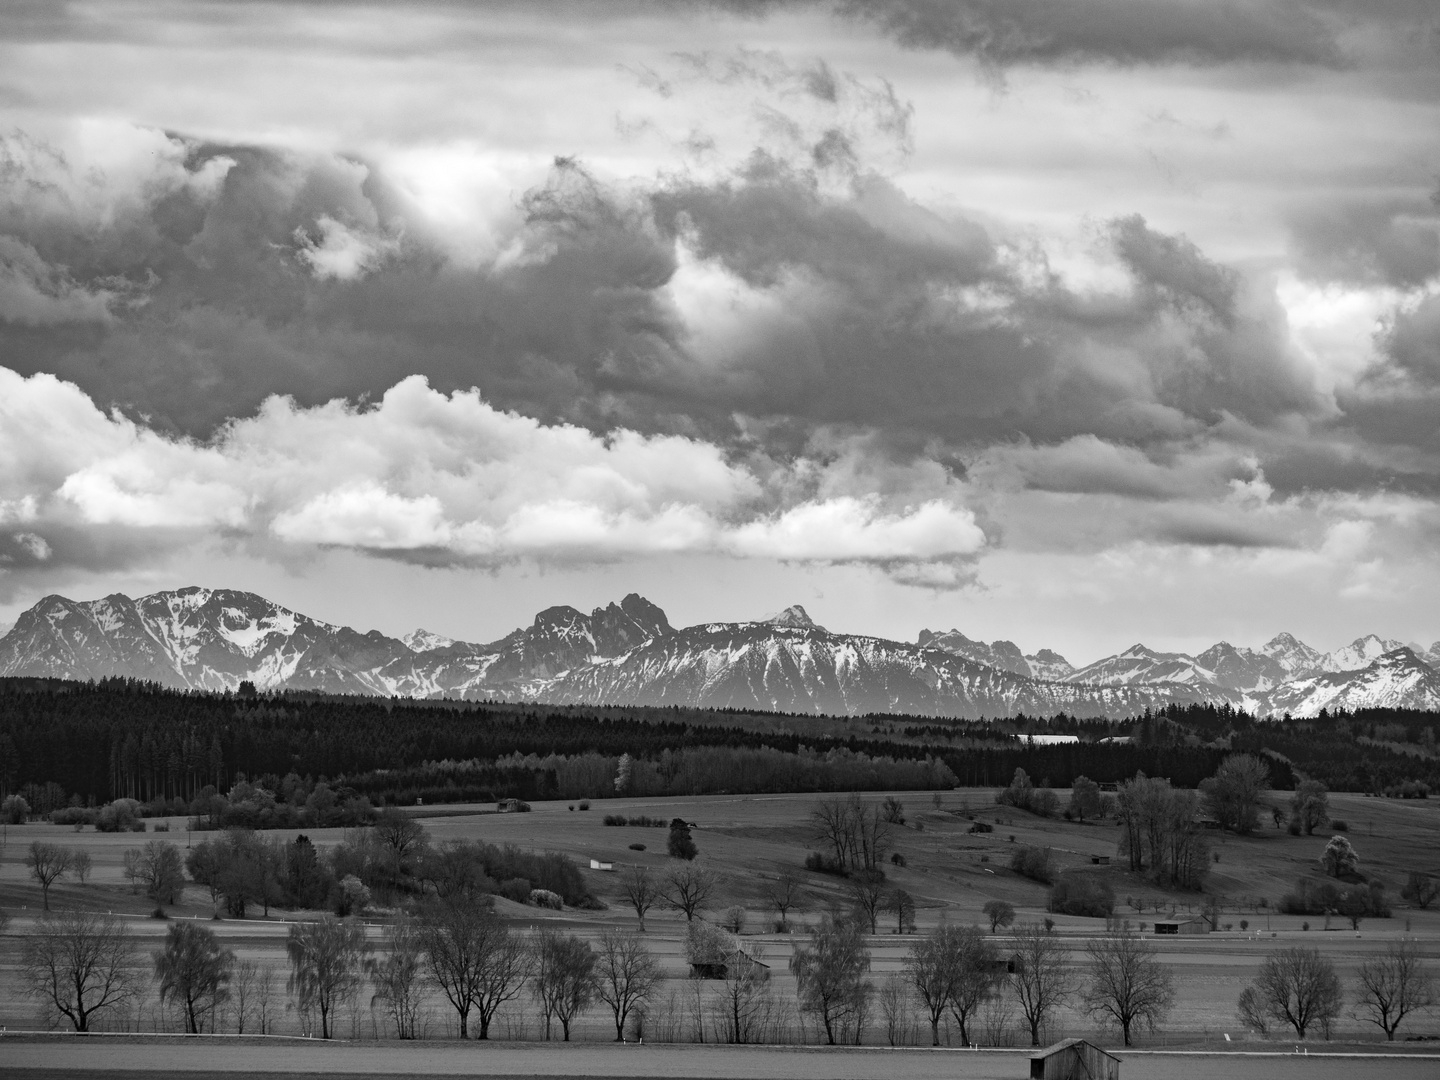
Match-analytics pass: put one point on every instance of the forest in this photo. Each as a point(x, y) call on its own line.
point(83, 744)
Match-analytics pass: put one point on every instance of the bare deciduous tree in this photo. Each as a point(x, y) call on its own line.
point(688, 888)
point(474, 958)
point(48, 863)
point(783, 894)
point(1232, 795)
point(161, 870)
point(80, 964)
point(744, 996)
point(640, 889)
point(1298, 987)
point(1393, 985)
point(397, 977)
point(627, 975)
point(856, 832)
point(1042, 978)
point(325, 965)
point(194, 972)
point(953, 968)
point(866, 889)
point(82, 864)
point(563, 977)
point(893, 997)
point(830, 974)
point(1127, 983)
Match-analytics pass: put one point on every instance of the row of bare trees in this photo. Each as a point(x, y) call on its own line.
point(82, 965)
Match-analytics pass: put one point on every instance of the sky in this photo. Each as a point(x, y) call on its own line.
point(1072, 322)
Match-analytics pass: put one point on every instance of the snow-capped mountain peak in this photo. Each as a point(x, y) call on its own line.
point(422, 640)
point(794, 616)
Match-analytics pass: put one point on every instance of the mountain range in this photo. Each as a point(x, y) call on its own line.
point(629, 654)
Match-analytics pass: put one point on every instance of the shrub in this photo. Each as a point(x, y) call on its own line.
point(897, 859)
point(584, 804)
point(614, 819)
point(516, 889)
point(823, 864)
point(637, 847)
point(14, 810)
point(1294, 827)
point(546, 899)
point(160, 826)
point(1340, 826)
point(1082, 894)
point(980, 827)
point(1034, 863)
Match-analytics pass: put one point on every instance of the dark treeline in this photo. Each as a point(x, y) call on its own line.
point(64, 742)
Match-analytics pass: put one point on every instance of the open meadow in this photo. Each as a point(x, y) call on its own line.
point(750, 841)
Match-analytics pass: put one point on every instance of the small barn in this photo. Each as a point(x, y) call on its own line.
point(1074, 1059)
point(743, 963)
point(596, 864)
point(1181, 926)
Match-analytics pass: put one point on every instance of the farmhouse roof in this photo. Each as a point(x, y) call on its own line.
point(1066, 1044)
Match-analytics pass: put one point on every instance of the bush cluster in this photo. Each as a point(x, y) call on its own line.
point(1082, 894)
point(1034, 863)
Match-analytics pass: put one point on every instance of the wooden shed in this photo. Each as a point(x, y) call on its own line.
point(1074, 1059)
point(1181, 926)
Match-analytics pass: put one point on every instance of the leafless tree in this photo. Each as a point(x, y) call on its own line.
point(397, 977)
point(1232, 795)
point(627, 975)
point(976, 975)
point(893, 997)
point(1393, 985)
point(48, 863)
point(82, 864)
point(1127, 983)
point(563, 977)
point(867, 894)
point(475, 959)
point(325, 965)
point(400, 837)
point(902, 905)
point(688, 888)
point(1298, 987)
point(783, 894)
point(856, 832)
point(160, 869)
point(242, 992)
point(194, 972)
point(1042, 979)
point(744, 997)
point(640, 889)
point(830, 975)
point(80, 964)
point(1420, 888)
point(931, 969)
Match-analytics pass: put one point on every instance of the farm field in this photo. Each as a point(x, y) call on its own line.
point(748, 841)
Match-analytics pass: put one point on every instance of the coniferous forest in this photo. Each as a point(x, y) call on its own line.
point(73, 744)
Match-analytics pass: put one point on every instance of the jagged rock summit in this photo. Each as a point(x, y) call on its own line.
point(794, 616)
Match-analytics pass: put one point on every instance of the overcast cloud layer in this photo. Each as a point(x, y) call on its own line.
point(1034, 318)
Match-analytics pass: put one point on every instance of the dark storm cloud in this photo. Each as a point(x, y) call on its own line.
point(303, 276)
point(1000, 33)
point(1392, 241)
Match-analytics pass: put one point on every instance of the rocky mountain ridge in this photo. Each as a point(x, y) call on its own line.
point(629, 654)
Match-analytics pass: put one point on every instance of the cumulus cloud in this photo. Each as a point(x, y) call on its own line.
point(442, 478)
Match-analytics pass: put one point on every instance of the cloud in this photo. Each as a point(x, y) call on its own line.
point(437, 478)
point(1000, 33)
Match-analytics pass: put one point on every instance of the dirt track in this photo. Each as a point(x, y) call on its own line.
point(65, 1058)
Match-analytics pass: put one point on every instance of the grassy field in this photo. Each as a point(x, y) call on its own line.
point(750, 840)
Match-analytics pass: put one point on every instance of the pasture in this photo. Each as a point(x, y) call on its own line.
point(749, 841)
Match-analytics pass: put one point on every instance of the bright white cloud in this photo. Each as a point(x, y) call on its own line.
point(449, 476)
